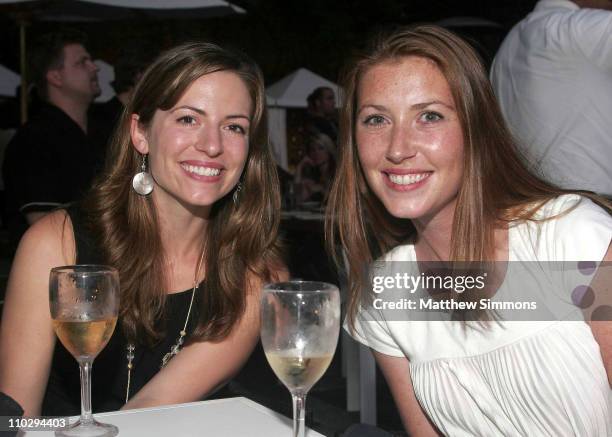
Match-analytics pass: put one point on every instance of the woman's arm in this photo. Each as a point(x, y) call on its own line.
point(202, 367)
point(602, 329)
point(27, 338)
point(397, 374)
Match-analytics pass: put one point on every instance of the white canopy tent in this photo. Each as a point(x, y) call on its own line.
point(9, 81)
point(290, 92)
point(106, 75)
point(99, 10)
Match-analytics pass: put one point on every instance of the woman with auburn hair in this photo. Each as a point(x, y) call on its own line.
point(187, 210)
point(429, 172)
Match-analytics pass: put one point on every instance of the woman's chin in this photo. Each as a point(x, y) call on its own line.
point(402, 207)
point(402, 212)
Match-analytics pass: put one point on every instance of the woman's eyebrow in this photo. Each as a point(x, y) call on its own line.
point(203, 112)
point(238, 116)
point(423, 105)
point(416, 106)
point(377, 107)
point(192, 108)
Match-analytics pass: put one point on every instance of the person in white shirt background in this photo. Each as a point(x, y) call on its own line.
point(553, 78)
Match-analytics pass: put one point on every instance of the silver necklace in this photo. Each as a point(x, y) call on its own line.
point(179, 343)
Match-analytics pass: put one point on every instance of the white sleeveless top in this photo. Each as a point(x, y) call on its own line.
point(543, 378)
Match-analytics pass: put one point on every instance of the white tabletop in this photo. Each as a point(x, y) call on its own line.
point(233, 417)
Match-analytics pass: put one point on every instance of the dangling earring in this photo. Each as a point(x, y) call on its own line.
point(236, 191)
point(143, 182)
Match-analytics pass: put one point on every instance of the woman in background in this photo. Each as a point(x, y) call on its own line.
point(315, 171)
point(429, 172)
point(187, 210)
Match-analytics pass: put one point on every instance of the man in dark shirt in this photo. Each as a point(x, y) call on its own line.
point(52, 158)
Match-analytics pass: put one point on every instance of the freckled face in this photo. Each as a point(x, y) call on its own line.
point(198, 149)
point(409, 138)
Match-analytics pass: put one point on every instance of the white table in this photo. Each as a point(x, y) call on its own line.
point(233, 417)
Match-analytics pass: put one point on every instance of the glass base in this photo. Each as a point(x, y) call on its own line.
point(90, 429)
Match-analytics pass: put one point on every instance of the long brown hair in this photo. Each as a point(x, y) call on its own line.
point(240, 237)
point(496, 186)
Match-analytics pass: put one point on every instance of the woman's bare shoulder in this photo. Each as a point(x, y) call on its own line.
point(50, 239)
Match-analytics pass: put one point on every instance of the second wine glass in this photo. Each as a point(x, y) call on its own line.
point(300, 324)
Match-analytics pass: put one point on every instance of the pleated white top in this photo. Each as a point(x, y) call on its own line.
point(535, 378)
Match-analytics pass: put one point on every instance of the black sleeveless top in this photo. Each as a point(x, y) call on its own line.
point(109, 375)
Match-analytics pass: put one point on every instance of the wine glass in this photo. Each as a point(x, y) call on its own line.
point(84, 301)
point(300, 323)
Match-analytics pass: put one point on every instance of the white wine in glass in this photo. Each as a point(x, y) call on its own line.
point(84, 302)
point(300, 323)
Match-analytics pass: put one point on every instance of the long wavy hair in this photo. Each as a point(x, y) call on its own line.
point(496, 187)
point(240, 238)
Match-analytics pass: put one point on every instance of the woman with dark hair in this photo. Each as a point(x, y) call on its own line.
point(428, 172)
point(187, 210)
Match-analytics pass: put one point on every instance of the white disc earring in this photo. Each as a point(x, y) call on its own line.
point(143, 182)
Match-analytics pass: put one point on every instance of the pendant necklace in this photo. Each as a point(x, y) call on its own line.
point(179, 343)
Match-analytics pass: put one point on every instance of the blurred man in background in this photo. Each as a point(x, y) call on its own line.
point(52, 159)
point(321, 117)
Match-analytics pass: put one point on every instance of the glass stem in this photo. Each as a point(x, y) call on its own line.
point(299, 411)
point(85, 371)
